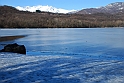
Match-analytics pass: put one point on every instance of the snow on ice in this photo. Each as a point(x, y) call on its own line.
point(17, 68)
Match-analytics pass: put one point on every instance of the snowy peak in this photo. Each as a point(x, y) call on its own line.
point(112, 8)
point(115, 6)
point(44, 8)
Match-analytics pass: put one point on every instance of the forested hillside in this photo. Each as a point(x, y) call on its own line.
point(10, 17)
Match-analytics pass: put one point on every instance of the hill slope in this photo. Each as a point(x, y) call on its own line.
point(112, 8)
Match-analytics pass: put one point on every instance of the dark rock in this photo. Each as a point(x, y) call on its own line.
point(15, 48)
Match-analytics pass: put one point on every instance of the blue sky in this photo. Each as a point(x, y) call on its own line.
point(65, 4)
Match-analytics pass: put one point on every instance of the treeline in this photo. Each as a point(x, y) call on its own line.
point(12, 18)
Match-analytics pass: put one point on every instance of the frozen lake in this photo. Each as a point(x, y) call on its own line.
point(102, 43)
point(65, 56)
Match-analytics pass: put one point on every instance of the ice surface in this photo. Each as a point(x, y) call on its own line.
point(17, 68)
point(65, 56)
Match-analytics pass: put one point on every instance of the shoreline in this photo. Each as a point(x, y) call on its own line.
point(9, 38)
point(55, 27)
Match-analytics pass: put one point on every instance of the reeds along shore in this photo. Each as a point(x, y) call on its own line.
point(9, 38)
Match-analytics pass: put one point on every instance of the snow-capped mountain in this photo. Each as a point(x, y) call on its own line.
point(112, 8)
point(44, 8)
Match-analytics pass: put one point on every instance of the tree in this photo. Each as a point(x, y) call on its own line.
point(38, 11)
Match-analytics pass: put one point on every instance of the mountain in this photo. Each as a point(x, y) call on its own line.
point(44, 8)
point(112, 8)
point(10, 17)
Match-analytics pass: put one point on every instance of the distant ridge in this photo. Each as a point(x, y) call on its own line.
point(112, 8)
